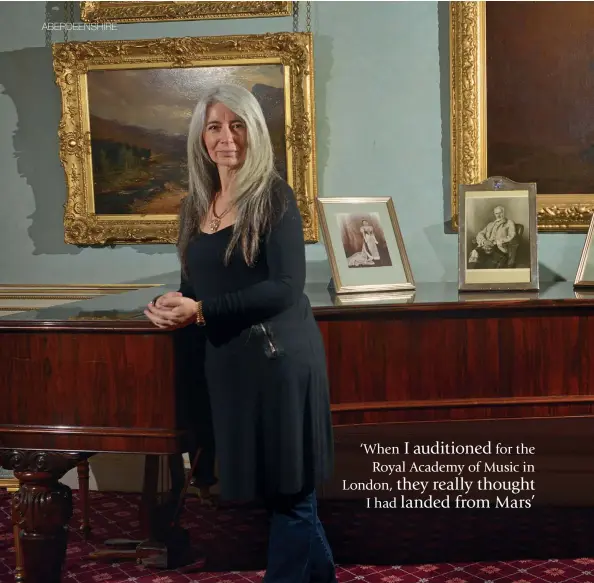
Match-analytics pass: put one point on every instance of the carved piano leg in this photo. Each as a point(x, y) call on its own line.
point(82, 470)
point(41, 510)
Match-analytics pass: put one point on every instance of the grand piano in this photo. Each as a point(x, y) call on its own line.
point(96, 376)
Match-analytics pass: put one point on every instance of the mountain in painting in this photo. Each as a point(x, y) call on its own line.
point(158, 141)
point(136, 169)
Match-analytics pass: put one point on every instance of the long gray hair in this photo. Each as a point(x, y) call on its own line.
point(252, 184)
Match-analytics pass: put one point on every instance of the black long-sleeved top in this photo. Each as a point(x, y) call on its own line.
point(238, 295)
point(264, 360)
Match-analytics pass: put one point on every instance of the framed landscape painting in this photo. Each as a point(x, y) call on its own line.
point(126, 108)
point(127, 11)
point(364, 245)
point(522, 91)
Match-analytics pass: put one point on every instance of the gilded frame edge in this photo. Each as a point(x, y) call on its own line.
point(337, 286)
point(73, 60)
point(69, 291)
point(488, 185)
point(11, 484)
point(468, 123)
point(126, 12)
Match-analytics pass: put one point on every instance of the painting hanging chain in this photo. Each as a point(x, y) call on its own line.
point(307, 16)
point(69, 17)
point(48, 28)
point(68, 14)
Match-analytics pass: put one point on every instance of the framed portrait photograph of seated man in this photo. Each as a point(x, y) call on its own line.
point(497, 240)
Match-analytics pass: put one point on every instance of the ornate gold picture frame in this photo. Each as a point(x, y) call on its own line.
point(128, 12)
point(488, 84)
point(126, 107)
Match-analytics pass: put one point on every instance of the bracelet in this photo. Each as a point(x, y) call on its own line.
point(199, 315)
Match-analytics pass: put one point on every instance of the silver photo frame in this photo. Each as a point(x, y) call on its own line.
point(498, 237)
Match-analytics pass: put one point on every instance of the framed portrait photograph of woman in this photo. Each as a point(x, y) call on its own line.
point(364, 244)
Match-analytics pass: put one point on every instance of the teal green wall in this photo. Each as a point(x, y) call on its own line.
point(381, 77)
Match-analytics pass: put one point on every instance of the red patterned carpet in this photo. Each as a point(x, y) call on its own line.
point(513, 546)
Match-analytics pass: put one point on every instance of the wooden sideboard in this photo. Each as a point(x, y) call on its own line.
point(96, 376)
point(442, 355)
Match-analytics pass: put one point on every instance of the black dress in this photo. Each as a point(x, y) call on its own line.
point(265, 365)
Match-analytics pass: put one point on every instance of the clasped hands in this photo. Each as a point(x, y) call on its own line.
point(171, 310)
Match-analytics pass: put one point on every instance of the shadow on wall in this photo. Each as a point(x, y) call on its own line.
point(169, 278)
point(28, 79)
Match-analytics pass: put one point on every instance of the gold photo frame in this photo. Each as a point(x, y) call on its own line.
point(364, 245)
point(505, 148)
point(128, 12)
point(126, 106)
point(498, 238)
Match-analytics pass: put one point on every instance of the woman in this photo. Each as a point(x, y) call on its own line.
point(242, 254)
point(370, 242)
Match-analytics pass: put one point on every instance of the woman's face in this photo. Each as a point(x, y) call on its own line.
point(225, 136)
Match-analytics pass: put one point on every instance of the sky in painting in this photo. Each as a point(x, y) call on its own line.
point(163, 99)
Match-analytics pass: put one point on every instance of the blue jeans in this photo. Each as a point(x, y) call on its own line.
point(298, 551)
